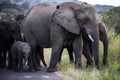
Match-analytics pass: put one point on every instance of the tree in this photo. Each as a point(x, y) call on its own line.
point(24, 6)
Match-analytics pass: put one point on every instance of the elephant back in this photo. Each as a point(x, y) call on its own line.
point(37, 22)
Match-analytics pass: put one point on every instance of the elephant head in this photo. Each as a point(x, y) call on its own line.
point(77, 18)
point(10, 29)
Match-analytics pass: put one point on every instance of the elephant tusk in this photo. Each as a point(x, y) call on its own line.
point(90, 37)
point(12, 19)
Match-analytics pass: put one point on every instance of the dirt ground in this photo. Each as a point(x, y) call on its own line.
point(25, 75)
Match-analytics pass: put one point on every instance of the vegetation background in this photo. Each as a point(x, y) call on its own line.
point(111, 18)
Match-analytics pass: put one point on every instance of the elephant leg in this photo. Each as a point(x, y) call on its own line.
point(0, 58)
point(20, 62)
point(70, 53)
point(35, 57)
point(56, 50)
point(60, 55)
point(41, 55)
point(77, 48)
point(10, 60)
point(15, 63)
point(30, 63)
point(54, 58)
point(4, 57)
point(87, 52)
point(32, 58)
point(38, 59)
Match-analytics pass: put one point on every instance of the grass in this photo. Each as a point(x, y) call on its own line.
point(109, 72)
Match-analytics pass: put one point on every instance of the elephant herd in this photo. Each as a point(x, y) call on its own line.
point(66, 25)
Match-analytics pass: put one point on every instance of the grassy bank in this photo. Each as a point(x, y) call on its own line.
point(109, 72)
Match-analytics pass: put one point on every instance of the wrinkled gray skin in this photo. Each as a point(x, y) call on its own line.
point(87, 44)
point(48, 27)
point(20, 51)
point(9, 32)
point(86, 17)
point(20, 19)
point(88, 49)
point(40, 56)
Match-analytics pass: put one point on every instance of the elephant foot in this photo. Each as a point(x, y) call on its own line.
point(98, 67)
point(37, 69)
point(78, 65)
point(31, 70)
point(9, 67)
point(20, 70)
point(16, 69)
point(104, 62)
point(51, 69)
point(89, 66)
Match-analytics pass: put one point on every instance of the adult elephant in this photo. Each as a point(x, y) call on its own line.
point(104, 39)
point(87, 44)
point(87, 48)
point(9, 32)
point(58, 27)
point(86, 17)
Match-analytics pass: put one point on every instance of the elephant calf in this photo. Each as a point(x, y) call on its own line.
point(20, 50)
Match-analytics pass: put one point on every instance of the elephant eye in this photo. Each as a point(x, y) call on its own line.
point(57, 7)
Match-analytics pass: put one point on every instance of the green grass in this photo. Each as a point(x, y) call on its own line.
point(109, 72)
point(1, 14)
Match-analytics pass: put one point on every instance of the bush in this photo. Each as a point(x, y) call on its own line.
point(112, 17)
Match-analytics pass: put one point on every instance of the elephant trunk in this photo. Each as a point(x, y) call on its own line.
point(104, 39)
point(95, 48)
point(105, 44)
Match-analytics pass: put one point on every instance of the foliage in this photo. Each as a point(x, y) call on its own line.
point(9, 4)
point(24, 6)
point(111, 17)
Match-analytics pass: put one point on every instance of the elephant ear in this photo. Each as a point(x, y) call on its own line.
point(4, 30)
point(65, 18)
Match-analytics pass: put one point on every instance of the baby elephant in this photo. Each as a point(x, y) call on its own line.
point(20, 51)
